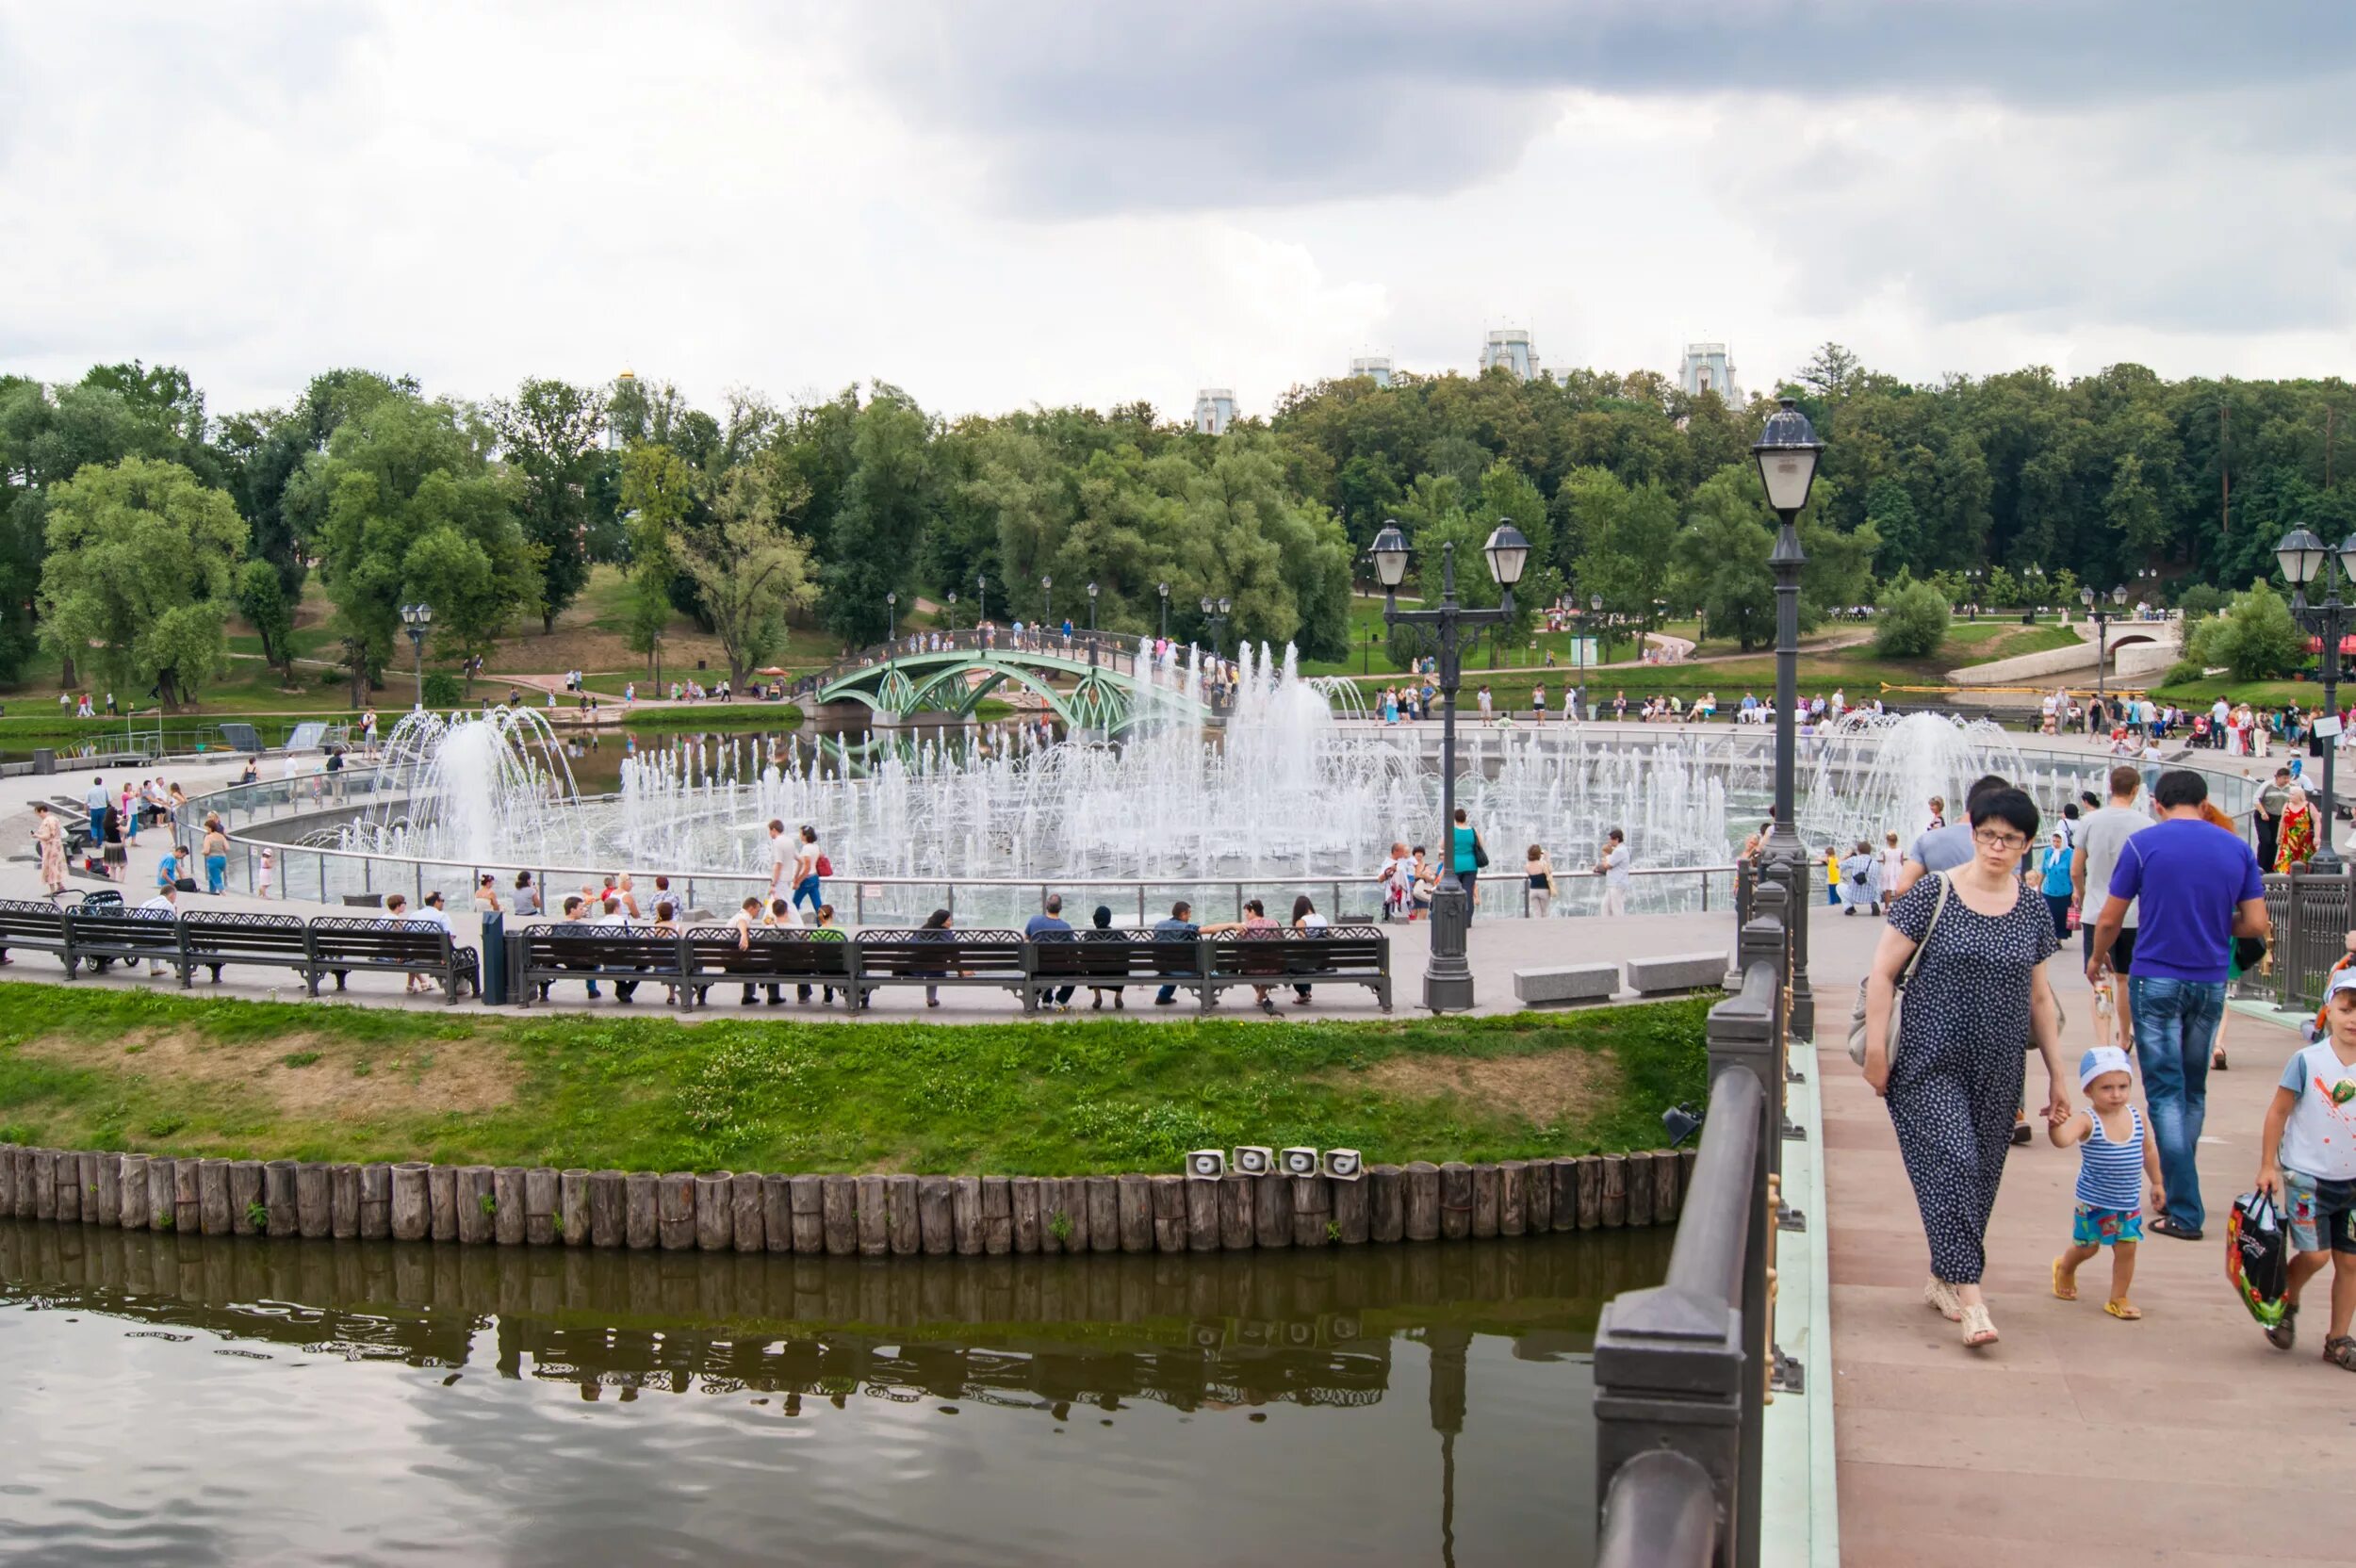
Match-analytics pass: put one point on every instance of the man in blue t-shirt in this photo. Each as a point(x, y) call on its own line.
point(2196, 886)
point(1055, 928)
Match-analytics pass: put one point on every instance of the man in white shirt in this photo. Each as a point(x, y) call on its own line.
point(164, 905)
point(1396, 879)
point(2101, 835)
point(1615, 868)
point(780, 858)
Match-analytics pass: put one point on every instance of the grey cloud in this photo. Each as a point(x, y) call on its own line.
point(1233, 103)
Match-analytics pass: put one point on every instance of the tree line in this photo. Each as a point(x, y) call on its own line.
point(133, 523)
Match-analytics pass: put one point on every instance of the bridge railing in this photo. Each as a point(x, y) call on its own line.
point(1683, 1370)
point(1124, 653)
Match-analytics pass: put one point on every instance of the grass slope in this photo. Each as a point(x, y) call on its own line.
point(104, 1067)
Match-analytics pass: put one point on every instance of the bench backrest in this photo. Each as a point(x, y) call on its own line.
point(930, 955)
point(579, 941)
point(35, 918)
point(1092, 952)
point(242, 933)
point(1338, 948)
point(113, 926)
point(394, 941)
point(769, 950)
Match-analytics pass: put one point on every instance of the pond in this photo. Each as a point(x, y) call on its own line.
point(220, 1399)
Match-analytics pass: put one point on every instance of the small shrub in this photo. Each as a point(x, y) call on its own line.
point(257, 1214)
point(1060, 1226)
point(490, 1204)
point(165, 1219)
point(299, 1058)
point(1913, 623)
point(442, 689)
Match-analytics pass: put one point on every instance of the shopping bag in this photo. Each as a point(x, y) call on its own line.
point(2257, 1256)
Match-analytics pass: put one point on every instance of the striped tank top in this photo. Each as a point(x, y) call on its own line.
point(2110, 1175)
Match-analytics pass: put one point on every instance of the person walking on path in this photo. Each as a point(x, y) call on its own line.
point(1890, 864)
point(1613, 865)
point(1467, 856)
point(2265, 813)
point(2100, 835)
point(2307, 1163)
point(50, 840)
point(1541, 872)
point(1977, 996)
point(2116, 1157)
point(2054, 882)
point(2199, 889)
point(807, 889)
point(2295, 835)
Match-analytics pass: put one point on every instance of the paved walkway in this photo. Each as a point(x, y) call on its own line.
point(2181, 1438)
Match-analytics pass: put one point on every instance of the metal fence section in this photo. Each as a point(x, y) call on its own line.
point(2312, 914)
point(1683, 1371)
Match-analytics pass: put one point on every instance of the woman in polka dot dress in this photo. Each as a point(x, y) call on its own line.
point(1977, 997)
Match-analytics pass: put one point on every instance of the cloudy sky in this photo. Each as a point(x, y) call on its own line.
point(995, 203)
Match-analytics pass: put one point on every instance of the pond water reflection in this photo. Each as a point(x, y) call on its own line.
point(187, 1400)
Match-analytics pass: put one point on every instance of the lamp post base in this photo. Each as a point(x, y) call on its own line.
point(1448, 980)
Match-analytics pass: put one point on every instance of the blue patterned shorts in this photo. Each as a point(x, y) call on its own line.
point(2093, 1226)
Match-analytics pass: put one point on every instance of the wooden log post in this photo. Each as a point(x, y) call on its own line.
point(441, 1197)
point(1590, 1182)
point(715, 1211)
point(72, 1178)
point(44, 1184)
point(213, 1215)
point(109, 1194)
point(1686, 1157)
point(997, 1197)
point(343, 1202)
point(1237, 1225)
point(965, 1215)
point(1103, 1197)
point(674, 1210)
point(8, 1179)
point(936, 1217)
point(608, 1213)
point(1456, 1201)
point(1201, 1200)
point(1271, 1211)
point(1387, 1203)
point(507, 1205)
point(642, 1204)
point(315, 1200)
point(1513, 1197)
point(475, 1204)
point(747, 1212)
point(163, 1210)
point(188, 1204)
point(1132, 1211)
point(776, 1214)
point(246, 1209)
point(1639, 1180)
point(808, 1196)
point(1022, 1201)
point(572, 1207)
point(1423, 1211)
point(1667, 1192)
point(1488, 1193)
point(131, 1194)
point(376, 1203)
point(902, 1229)
point(1313, 1211)
point(412, 1208)
point(1538, 1196)
point(874, 1221)
point(1353, 1211)
point(1170, 1212)
point(1614, 1191)
point(1564, 1175)
point(839, 1214)
point(19, 1161)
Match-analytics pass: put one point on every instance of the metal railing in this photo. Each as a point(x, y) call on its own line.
point(1683, 1370)
point(1123, 653)
point(2312, 913)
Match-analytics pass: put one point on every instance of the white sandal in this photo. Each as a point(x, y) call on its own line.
point(1940, 1297)
point(1978, 1330)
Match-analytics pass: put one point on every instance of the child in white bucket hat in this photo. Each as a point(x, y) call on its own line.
point(2115, 1155)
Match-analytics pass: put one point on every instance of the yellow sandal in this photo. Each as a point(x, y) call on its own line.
point(2126, 1312)
point(2063, 1292)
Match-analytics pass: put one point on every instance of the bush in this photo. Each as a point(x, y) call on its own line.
point(2201, 600)
point(442, 689)
point(2256, 638)
point(1912, 622)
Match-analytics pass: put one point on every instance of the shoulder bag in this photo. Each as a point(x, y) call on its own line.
point(1480, 852)
point(1856, 1018)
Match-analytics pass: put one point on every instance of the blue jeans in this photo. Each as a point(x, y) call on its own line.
point(216, 872)
point(806, 891)
point(2175, 1023)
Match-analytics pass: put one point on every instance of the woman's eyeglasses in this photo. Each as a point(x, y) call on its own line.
point(2000, 840)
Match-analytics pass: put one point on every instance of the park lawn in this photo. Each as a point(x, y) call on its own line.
point(2258, 694)
point(111, 1067)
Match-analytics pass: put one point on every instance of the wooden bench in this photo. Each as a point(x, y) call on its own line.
point(216, 941)
point(1338, 955)
point(773, 956)
point(341, 945)
point(32, 923)
point(539, 955)
point(989, 958)
point(1110, 959)
point(98, 935)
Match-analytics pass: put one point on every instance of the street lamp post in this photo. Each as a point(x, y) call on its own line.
point(981, 601)
point(891, 635)
point(1091, 620)
point(1448, 980)
point(1215, 614)
point(953, 614)
point(1787, 453)
point(417, 618)
point(2302, 558)
point(1164, 587)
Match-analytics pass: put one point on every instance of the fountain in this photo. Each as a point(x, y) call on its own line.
point(488, 787)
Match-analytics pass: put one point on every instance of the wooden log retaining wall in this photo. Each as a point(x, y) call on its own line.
point(873, 1215)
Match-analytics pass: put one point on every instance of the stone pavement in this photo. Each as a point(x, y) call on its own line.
point(1498, 946)
point(2181, 1438)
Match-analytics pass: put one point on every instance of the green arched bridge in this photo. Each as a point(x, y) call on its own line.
point(1092, 680)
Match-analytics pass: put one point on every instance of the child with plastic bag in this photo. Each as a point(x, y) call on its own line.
point(2309, 1170)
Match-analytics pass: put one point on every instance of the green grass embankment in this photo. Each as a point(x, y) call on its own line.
point(106, 1066)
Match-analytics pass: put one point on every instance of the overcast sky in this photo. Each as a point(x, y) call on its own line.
point(1032, 201)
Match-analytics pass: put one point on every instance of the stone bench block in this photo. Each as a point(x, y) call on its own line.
point(1680, 971)
point(1565, 983)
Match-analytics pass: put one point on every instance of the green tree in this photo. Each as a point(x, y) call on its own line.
point(1912, 622)
point(750, 567)
point(2256, 637)
point(137, 578)
point(657, 490)
point(1631, 539)
point(547, 438)
point(874, 541)
point(262, 600)
point(1721, 560)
